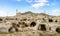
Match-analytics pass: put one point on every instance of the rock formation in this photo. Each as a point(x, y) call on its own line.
point(29, 20)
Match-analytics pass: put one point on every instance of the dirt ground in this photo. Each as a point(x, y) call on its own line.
point(30, 33)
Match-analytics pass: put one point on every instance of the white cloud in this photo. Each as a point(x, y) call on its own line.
point(37, 1)
point(3, 13)
point(41, 1)
point(29, 1)
point(56, 10)
point(38, 5)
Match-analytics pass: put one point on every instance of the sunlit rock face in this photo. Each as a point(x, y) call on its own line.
point(29, 20)
point(4, 27)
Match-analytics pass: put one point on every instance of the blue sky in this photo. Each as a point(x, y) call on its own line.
point(8, 7)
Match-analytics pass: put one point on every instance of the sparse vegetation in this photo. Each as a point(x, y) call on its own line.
point(43, 20)
point(21, 23)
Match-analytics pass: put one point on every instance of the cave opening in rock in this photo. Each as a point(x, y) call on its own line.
point(16, 29)
point(9, 30)
point(42, 27)
point(58, 29)
point(1, 19)
point(33, 24)
point(56, 21)
point(19, 22)
point(50, 20)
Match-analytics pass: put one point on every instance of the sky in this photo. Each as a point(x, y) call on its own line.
point(8, 7)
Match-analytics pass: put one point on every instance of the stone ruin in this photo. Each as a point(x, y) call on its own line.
point(29, 20)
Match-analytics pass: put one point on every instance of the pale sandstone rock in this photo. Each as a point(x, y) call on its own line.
point(26, 31)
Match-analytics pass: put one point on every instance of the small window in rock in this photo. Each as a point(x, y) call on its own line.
point(26, 25)
point(23, 22)
point(6, 18)
point(19, 22)
point(16, 29)
point(49, 28)
point(9, 30)
point(1, 19)
point(50, 20)
point(28, 19)
point(22, 26)
point(14, 24)
point(16, 18)
point(44, 20)
point(58, 29)
point(18, 25)
point(24, 19)
point(56, 21)
point(33, 24)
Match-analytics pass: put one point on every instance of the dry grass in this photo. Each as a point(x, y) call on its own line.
point(30, 33)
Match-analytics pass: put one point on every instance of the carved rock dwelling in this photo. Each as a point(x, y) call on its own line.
point(29, 20)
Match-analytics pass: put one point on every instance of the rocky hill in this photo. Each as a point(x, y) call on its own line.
point(30, 24)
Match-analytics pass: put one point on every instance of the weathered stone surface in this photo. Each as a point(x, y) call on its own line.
point(4, 27)
point(22, 23)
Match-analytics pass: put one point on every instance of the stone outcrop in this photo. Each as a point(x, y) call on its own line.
point(32, 21)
